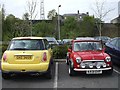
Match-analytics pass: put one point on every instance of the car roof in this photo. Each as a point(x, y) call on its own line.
point(86, 40)
point(27, 38)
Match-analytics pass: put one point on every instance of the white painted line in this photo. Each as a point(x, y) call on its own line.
point(56, 76)
point(116, 71)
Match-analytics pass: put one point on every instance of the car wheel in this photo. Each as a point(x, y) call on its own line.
point(109, 72)
point(49, 73)
point(5, 75)
point(67, 61)
point(71, 71)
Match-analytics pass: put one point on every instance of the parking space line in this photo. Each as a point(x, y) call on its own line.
point(56, 76)
point(116, 71)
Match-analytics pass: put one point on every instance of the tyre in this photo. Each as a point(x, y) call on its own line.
point(5, 75)
point(67, 61)
point(109, 72)
point(71, 71)
point(48, 75)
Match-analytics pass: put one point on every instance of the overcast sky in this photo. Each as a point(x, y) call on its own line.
point(19, 7)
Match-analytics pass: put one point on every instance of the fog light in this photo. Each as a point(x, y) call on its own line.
point(104, 65)
point(91, 65)
point(98, 66)
point(82, 65)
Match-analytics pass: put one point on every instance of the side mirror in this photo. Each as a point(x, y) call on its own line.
point(69, 50)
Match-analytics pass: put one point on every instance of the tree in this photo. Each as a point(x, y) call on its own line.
point(70, 28)
point(25, 16)
point(52, 14)
point(32, 11)
point(43, 29)
point(100, 13)
point(15, 27)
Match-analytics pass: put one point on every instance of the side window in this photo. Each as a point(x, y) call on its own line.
point(118, 43)
point(46, 44)
point(113, 42)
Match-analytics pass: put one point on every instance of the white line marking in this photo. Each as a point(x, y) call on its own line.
point(116, 71)
point(56, 76)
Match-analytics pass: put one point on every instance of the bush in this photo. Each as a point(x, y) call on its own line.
point(59, 52)
point(3, 47)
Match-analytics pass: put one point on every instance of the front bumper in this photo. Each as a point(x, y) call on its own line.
point(103, 69)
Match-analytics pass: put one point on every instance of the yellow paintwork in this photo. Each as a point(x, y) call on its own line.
point(34, 64)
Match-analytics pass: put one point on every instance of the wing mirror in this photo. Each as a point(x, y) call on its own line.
point(69, 50)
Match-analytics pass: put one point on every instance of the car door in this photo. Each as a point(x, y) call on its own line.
point(110, 47)
point(117, 49)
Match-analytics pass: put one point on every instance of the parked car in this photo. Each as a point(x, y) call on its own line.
point(113, 49)
point(84, 38)
point(103, 38)
point(29, 55)
point(52, 41)
point(67, 41)
point(88, 56)
point(59, 42)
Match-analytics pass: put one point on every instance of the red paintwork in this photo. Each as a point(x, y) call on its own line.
point(87, 55)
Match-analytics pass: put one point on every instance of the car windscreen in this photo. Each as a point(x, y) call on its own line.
point(83, 46)
point(30, 44)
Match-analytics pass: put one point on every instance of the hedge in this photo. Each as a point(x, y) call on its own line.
point(60, 52)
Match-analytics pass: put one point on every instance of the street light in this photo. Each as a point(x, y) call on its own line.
point(59, 22)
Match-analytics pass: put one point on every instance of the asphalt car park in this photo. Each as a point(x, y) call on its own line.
point(61, 79)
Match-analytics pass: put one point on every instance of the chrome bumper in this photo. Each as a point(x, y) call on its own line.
point(75, 69)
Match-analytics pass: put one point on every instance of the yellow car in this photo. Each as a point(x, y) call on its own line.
point(27, 55)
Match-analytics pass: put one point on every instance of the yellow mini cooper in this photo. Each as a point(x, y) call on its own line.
point(31, 55)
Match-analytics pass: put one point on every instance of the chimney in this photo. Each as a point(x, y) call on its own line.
point(87, 13)
point(78, 12)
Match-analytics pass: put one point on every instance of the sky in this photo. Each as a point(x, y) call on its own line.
point(19, 7)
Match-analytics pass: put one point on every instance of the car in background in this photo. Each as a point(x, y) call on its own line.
point(67, 41)
point(103, 38)
point(84, 38)
point(113, 49)
point(59, 42)
point(27, 55)
point(88, 56)
point(52, 41)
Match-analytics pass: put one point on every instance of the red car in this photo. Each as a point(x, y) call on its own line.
point(88, 56)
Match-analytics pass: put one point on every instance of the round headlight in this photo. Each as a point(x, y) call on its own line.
point(108, 59)
point(78, 60)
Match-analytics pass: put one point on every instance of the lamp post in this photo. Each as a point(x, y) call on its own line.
point(58, 23)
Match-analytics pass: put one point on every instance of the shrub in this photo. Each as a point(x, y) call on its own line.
point(59, 52)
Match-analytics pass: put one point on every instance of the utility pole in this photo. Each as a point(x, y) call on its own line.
point(58, 23)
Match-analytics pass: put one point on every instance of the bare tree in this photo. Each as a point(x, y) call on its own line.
point(100, 14)
point(31, 11)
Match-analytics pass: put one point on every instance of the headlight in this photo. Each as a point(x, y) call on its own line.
point(108, 59)
point(78, 59)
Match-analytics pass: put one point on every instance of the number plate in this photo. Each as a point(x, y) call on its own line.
point(94, 72)
point(23, 57)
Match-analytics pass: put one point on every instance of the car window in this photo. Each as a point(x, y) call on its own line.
point(81, 46)
point(26, 45)
point(113, 42)
point(46, 43)
point(118, 43)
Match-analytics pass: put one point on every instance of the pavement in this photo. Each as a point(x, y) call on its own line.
point(62, 80)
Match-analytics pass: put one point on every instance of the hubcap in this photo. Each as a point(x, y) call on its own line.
point(66, 60)
point(69, 70)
